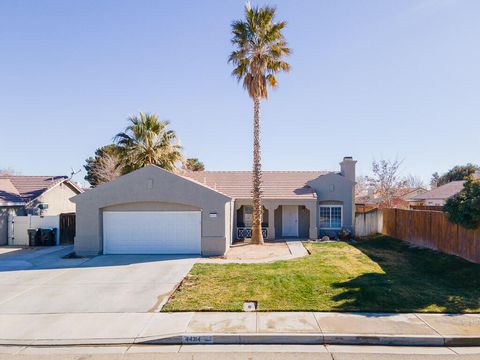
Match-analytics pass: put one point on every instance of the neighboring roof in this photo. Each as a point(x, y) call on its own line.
point(442, 192)
point(9, 194)
point(411, 193)
point(365, 199)
point(19, 190)
point(275, 184)
point(405, 194)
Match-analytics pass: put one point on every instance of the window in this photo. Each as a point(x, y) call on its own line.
point(330, 216)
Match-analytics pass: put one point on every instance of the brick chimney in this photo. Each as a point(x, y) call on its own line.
point(347, 168)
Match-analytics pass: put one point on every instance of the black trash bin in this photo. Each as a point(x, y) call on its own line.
point(46, 237)
point(32, 237)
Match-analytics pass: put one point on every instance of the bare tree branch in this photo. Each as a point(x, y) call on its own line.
point(386, 181)
point(106, 168)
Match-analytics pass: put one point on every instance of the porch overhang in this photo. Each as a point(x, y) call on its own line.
point(273, 210)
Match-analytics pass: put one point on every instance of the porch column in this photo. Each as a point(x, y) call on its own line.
point(271, 222)
point(313, 231)
point(236, 207)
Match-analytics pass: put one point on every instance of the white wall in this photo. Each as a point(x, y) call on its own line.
point(435, 202)
point(369, 223)
point(18, 226)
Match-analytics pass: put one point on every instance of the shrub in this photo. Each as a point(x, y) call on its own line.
point(345, 234)
point(464, 208)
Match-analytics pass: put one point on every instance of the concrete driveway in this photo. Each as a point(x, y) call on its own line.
point(43, 282)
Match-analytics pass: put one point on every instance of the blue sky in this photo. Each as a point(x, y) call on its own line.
point(373, 79)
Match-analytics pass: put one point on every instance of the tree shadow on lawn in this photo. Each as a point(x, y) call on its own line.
point(414, 280)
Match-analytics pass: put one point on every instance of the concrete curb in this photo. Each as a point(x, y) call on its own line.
point(260, 339)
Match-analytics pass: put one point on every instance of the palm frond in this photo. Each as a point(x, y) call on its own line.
point(147, 140)
point(259, 50)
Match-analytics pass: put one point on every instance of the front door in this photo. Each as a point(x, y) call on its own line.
point(289, 220)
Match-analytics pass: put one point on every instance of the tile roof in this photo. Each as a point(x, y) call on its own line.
point(276, 184)
point(22, 189)
point(442, 192)
point(9, 193)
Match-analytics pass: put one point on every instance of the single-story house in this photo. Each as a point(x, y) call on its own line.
point(439, 195)
point(34, 195)
point(403, 199)
point(153, 211)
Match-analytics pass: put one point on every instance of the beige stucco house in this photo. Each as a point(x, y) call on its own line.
point(438, 196)
point(153, 211)
point(34, 195)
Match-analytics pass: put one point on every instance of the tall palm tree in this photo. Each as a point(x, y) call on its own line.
point(148, 141)
point(260, 48)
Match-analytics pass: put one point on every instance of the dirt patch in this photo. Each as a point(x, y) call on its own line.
point(257, 252)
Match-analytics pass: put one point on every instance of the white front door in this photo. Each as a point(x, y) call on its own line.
point(152, 232)
point(289, 220)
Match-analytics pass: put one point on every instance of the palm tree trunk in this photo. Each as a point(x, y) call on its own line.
point(257, 213)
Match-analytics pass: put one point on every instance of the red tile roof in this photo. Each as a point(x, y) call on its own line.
point(22, 189)
point(276, 184)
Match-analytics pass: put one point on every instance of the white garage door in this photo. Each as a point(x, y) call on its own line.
point(152, 232)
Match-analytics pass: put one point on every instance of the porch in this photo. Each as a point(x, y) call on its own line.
point(282, 219)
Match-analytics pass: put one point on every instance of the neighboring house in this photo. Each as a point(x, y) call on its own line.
point(439, 195)
point(34, 195)
point(153, 211)
point(402, 200)
point(406, 199)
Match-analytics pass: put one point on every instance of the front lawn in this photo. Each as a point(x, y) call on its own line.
point(379, 274)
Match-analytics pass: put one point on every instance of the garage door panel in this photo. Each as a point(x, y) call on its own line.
point(160, 232)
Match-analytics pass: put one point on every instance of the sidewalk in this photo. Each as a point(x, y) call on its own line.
point(240, 328)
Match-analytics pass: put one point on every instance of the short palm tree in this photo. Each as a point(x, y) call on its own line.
point(148, 141)
point(260, 49)
point(193, 164)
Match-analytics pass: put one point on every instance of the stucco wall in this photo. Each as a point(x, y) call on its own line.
point(4, 226)
point(434, 202)
point(303, 222)
point(278, 222)
point(58, 200)
point(150, 206)
point(152, 188)
point(336, 189)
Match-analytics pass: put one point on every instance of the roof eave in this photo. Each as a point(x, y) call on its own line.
point(277, 198)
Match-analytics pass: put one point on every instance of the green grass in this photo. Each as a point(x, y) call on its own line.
point(378, 274)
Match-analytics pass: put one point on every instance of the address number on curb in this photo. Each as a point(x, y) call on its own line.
point(197, 339)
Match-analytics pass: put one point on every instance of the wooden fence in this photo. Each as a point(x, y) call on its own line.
point(429, 208)
point(432, 229)
point(67, 228)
